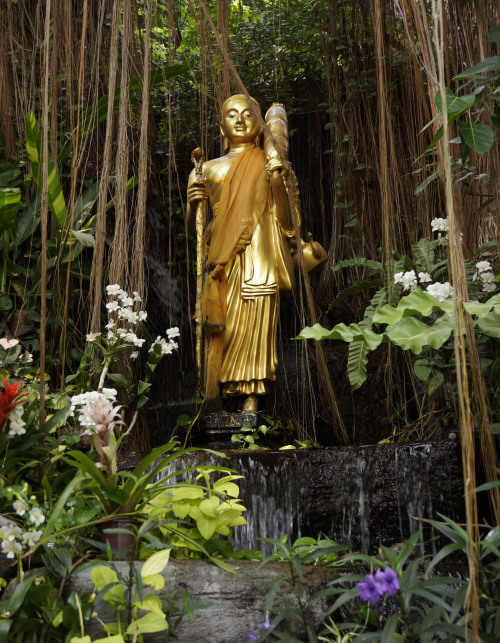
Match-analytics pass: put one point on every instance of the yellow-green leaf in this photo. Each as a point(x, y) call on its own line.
point(156, 581)
point(156, 563)
point(209, 506)
point(150, 603)
point(148, 624)
point(206, 526)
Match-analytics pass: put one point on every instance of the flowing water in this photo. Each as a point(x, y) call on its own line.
point(360, 496)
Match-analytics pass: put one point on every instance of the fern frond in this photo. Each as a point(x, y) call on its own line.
point(378, 300)
point(358, 262)
point(356, 363)
point(357, 286)
point(424, 254)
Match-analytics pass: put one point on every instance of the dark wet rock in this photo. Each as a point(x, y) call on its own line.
point(362, 496)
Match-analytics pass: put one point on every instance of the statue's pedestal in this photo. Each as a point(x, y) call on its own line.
point(216, 429)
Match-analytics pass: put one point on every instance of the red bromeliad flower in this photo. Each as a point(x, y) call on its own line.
point(7, 399)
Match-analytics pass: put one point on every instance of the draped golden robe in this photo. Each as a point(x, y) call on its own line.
point(249, 262)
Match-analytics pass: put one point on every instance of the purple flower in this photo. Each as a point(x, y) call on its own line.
point(388, 580)
point(252, 636)
point(266, 625)
point(370, 590)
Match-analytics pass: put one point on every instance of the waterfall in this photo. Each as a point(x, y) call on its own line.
point(363, 496)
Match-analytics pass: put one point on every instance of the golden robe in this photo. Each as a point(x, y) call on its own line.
point(250, 262)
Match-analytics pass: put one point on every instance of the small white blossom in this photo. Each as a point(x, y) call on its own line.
point(91, 337)
point(20, 507)
point(36, 516)
point(31, 538)
point(142, 315)
point(10, 532)
point(440, 291)
point(110, 325)
point(16, 422)
point(137, 297)
point(409, 280)
point(127, 301)
point(487, 277)
point(483, 266)
point(113, 289)
point(424, 277)
point(112, 306)
point(128, 315)
point(110, 393)
point(440, 225)
point(134, 354)
point(489, 287)
point(11, 548)
point(172, 333)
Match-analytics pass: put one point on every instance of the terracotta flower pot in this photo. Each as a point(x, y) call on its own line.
point(124, 544)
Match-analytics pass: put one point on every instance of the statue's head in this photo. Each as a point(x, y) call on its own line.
point(238, 121)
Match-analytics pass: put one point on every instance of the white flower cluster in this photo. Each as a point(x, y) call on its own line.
point(123, 307)
point(167, 345)
point(440, 291)
point(13, 537)
point(442, 227)
point(410, 282)
point(486, 276)
point(16, 422)
point(408, 279)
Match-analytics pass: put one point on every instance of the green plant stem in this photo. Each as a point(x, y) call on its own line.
point(407, 620)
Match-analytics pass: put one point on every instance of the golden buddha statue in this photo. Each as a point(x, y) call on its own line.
point(248, 256)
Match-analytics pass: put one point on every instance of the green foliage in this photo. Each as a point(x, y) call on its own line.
point(248, 436)
point(213, 507)
point(470, 111)
point(427, 607)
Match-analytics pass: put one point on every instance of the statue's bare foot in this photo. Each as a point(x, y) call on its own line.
point(251, 404)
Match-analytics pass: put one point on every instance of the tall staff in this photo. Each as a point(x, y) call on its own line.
point(198, 157)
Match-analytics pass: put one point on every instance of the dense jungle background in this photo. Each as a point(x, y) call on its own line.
point(358, 80)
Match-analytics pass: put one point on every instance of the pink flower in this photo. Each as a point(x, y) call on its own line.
point(99, 415)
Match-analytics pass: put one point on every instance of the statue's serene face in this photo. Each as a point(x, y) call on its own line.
point(239, 123)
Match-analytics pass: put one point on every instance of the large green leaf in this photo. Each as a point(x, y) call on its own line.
point(494, 34)
point(84, 205)
point(148, 624)
point(9, 205)
point(34, 148)
point(410, 333)
point(8, 173)
point(455, 104)
point(486, 65)
point(29, 219)
point(478, 136)
point(481, 310)
point(416, 303)
point(345, 333)
point(490, 324)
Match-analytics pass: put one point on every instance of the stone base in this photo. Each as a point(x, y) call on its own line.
point(216, 429)
point(235, 600)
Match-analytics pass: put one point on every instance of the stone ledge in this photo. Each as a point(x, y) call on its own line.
point(237, 600)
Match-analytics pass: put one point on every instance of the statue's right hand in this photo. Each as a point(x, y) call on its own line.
point(197, 193)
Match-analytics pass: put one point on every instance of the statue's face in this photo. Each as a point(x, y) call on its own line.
point(239, 124)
